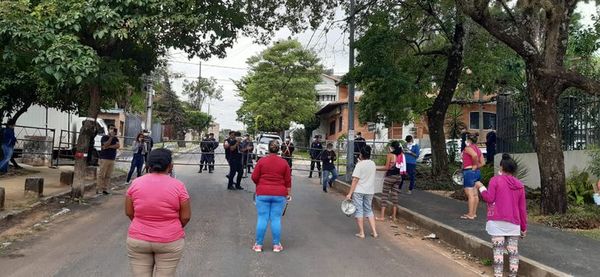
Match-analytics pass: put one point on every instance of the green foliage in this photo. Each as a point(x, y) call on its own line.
point(167, 106)
point(577, 217)
point(594, 165)
point(579, 188)
point(454, 123)
point(279, 88)
point(487, 172)
point(342, 138)
point(197, 120)
point(201, 90)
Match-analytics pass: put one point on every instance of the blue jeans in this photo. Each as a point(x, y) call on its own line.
point(325, 180)
point(411, 170)
point(269, 208)
point(363, 203)
point(8, 152)
point(136, 163)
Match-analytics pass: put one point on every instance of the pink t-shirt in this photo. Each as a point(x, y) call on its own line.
point(156, 204)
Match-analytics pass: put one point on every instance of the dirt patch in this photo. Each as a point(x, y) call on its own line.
point(12, 172)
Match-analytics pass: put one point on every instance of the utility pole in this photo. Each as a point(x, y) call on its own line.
point(199, 83)
point(150, 91)
point(350, 142)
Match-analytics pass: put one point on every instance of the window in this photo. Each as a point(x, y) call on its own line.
point(332, 128)
point(489, 120)
point(341, 122)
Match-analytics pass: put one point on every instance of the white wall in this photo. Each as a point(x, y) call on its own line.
point(578, 159)
point(36, 117)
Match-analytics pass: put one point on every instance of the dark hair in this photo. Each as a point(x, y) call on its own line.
point(11, 122)
point(508, 164)
point(408, 138)
point(359, 134)
point(397, 149)
point(274, 146)
point(159, 160)
point(329, 144)
point(138, 136)
point(238, 134)
point(365, 152)
point(473, 137)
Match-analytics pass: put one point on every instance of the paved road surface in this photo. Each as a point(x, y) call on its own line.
point(318, 239)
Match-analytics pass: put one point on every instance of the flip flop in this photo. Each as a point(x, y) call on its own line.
point(375, 235)
point(359, 236)
point(380, 219)
point(468, 217)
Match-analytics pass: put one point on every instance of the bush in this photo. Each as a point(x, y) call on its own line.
point(577, 217)
point(580, 189)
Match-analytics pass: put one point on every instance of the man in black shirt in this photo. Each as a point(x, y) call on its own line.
point(287, 150)
point(107, 156)
point(232, 146)
point(148, 144)
point(359, 144)
point(213, 144)
point(328, 157)
point(316, 148)
point(205, 145)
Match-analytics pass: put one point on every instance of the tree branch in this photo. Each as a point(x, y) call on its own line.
point(513, 35)
point(438, 52)
point(573, 79)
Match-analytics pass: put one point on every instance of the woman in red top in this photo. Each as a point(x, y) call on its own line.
point(472, 161)
point(273, 179)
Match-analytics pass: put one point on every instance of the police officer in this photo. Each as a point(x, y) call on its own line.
point(316, 148)
point(359, 144)
point(213, 144)
point(247, 147)
point(287, 150)
point(205, 145)
point(232, 147)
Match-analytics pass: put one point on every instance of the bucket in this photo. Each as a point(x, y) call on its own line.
point(597, 198)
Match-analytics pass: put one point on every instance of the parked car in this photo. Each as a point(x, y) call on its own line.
point(262, 144)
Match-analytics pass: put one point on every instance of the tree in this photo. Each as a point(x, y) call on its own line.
point(167, 106)
point(538, 31)
point(201, 90)
point(279, 87)
point(197, 120)
point(411, 61)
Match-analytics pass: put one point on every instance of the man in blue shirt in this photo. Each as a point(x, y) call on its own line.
point(411, 153)
point(108, 154)
point(8, 141)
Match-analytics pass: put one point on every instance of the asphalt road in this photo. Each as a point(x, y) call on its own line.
point(318, 239)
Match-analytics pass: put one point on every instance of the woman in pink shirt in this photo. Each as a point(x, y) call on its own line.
point(507, 215)
point(158, 206)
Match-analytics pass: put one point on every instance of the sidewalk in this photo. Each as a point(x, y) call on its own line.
point(561, 250)
point(15, 186)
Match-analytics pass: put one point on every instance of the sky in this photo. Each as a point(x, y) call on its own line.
point(331, 46)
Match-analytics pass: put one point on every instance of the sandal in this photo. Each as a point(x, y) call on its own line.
point(464, 216)
point(375, 235)
point(359, 236)
point(380, 219)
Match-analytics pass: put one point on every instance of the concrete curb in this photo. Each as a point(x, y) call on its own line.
point(8, 216)
point(461, 240)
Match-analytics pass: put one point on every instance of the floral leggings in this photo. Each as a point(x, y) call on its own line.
point(502, 244)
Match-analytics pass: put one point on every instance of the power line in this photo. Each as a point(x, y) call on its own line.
point(209, 65)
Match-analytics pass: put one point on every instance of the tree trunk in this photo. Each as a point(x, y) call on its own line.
point(87, 132)
point(436, 116)
point(544, 94)
point(21, 111)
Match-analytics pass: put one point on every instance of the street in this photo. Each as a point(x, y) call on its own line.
point(318, 239)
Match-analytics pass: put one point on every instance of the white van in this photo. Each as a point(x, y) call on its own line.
point(262, 144)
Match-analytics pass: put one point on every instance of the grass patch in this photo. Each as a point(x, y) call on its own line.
point(593, 234)
point(585, 217)
point(487, 262)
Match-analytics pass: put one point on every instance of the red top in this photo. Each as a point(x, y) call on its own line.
point(272, 176)
point(467, 159)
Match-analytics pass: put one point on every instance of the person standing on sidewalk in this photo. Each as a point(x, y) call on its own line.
point(362, 191)
point(273, 180)
point(287, 150)
point(472, 162)
point(235, 161)
point(490, 146)
point(359, 143)
point(137, 162)
point(8, 141)
point(316, 148)
point(159, 209)
point(107, 156)
point(148, 145)
point(329, 157)
point(507, 215)
point(412, 152)
point(395, 167)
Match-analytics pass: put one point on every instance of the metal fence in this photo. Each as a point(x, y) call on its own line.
point(34, 145)
point(579, 123)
